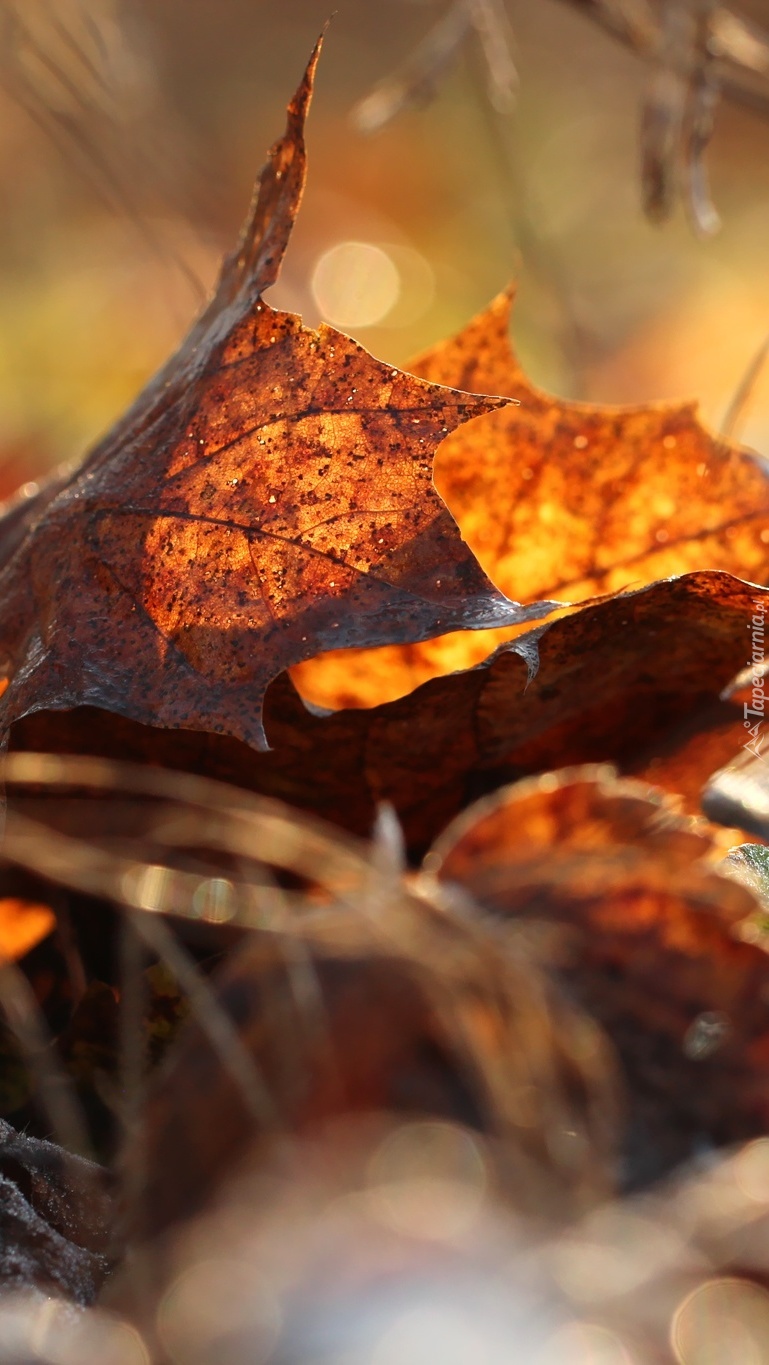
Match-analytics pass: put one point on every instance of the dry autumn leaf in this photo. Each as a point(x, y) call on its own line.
point(565, 500)
point(573, 499)
point(656, 946)
point(269, 495)
point(568, 940)
point(635, 680)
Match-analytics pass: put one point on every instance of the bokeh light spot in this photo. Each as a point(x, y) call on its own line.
point(217, 1313)
point(428, 1179)
point(585, 1343)
point(355, 284)
point(751, 1170)
point(721, 1322)
point(215, 900)
point(428, 1334)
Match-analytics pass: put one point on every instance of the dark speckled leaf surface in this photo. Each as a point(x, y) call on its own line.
point(268, 496)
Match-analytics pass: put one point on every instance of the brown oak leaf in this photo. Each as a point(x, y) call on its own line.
point(269, 495)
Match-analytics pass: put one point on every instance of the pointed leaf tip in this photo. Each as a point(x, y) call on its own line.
point(256, 263)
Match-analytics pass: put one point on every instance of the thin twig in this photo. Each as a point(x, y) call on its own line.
point(740, 49)
point(541, 259)
point(735, 413)
point(212, 1018)
point(133, 999)
point(491, 24)
point(415, 81)
point(697, 50)
point(86, 114)
point(56, 1091)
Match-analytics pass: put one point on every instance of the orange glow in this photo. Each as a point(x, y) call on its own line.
point(565, 501)
point(23, 924)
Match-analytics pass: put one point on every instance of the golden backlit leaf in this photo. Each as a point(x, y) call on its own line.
point(582, 812)
point(269, 495)
point(651, 946)
point(565, 500)
point(569, 500)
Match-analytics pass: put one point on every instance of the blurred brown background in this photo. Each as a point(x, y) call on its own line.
point(130, 134)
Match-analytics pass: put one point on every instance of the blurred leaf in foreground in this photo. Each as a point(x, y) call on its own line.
point(651, 946)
